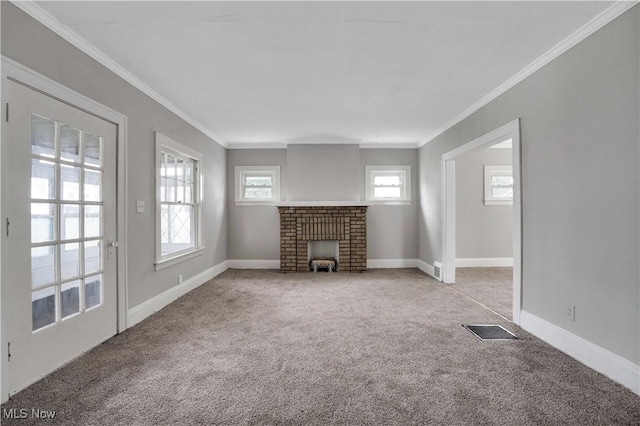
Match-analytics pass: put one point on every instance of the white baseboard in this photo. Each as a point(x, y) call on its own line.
point(603, 361)
point(392, 263)
point(153, 305)
point(275, 264)
point(426, 268)
point(253, 264)
point(484, 262)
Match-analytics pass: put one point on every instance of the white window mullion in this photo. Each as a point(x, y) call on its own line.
point(388, 184)
point(255, 185)
point(504, 174)
point(181, 229)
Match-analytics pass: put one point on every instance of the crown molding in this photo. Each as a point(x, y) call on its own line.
point(51, 22)
point(576, 37)
point(283, 145)
point(256, 145)
point(389, 145)
point(322, 141)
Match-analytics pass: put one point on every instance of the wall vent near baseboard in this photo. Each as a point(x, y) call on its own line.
point(437, 270)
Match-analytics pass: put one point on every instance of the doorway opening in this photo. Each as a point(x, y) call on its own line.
point(497, 248)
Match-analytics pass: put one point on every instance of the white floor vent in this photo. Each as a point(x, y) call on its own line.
point(437, 270)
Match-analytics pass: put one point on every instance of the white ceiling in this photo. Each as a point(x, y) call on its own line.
point(375, 72)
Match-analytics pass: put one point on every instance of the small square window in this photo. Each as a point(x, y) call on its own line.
point(388, 184)
point(257, 184)
point(498, 185)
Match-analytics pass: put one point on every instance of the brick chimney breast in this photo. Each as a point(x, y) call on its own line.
point(345, 224)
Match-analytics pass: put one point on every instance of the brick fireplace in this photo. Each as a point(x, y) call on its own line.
point(345, 224)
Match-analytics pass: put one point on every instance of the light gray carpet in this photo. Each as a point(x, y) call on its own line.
point(493, 287)
point(383, 347)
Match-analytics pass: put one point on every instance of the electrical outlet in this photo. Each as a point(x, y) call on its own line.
point(571, 313)
point(180, 279)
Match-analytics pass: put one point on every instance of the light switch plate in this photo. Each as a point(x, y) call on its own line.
point(139, 206)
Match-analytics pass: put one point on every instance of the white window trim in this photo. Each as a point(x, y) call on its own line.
point(495, 171)
point(241, 171)
point(369, 171)
point(165, 143)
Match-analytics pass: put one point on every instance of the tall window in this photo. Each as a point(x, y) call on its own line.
point(257, 184)
point(498, 185)
point(391, 184)
point(178, 203)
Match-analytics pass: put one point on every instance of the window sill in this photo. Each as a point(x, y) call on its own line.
point(170, 261)
point(256, 203)
point(389, 202)
point(498, 202)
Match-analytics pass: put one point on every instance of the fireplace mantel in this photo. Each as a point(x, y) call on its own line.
point(300, 224)
point(322, 204)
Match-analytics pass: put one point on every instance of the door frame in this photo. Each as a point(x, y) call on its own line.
point(510, 130)
point(12, 70)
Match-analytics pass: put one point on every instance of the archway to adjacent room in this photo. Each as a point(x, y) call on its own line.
point(510, 131)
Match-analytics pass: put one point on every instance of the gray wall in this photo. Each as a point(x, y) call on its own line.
point(254, 230)
point(328, 169)
point(391, 230)
point(481, 231)
point(580, 185)
point(28, 42)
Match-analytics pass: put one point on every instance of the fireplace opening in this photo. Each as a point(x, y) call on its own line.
point(322, 255)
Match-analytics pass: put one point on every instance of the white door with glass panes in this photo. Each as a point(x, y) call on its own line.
point(59, 249)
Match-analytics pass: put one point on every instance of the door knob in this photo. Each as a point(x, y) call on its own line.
point(111, 251)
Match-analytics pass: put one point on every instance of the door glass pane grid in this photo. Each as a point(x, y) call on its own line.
point(70, 298)
point(43, 179)
point(92, 150)
point(66, 230)
point(43, 136)
point(93, 291)
point(70, 145)
point(44, 307)
point(43, 222)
